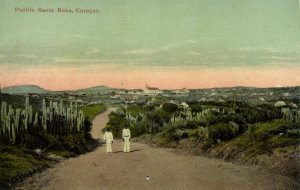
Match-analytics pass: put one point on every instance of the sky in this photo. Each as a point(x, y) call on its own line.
point(163, 43)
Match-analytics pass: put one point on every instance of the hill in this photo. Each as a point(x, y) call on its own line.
point(95, 89)
point(25, 89)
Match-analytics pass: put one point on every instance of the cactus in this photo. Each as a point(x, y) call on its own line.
point(44, 117)
point(35, 122)
point(55, 119)
point(17, 119)
point(13, 133)
point(3, 111)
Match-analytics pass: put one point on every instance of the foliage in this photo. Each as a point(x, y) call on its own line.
point(17, 162)
point(169, 107)
point(268, 136)
point(256, 129)
point(116, 123)
point(93, 110)
point(59, 128)
point(221, 131)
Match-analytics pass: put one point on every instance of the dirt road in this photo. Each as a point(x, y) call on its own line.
point(166, 170)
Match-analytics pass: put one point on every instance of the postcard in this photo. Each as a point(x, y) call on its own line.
point(149, 94)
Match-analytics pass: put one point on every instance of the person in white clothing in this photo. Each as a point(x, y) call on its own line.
point(109, 139)
point(126, 137)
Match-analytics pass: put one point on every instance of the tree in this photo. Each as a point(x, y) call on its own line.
point(169, 107)
point(87, 126)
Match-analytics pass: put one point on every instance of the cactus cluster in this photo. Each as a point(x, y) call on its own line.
point(290, 114)
point(54, 119)
point(189, 116)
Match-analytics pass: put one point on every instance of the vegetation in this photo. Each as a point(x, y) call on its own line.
point(268, 136)
point(29, 134)
point(93, 110)
point(257, 129)
point(17, 162)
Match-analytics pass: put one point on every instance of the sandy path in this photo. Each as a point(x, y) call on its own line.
point(167, 170)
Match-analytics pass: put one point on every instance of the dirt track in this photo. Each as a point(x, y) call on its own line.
point(167, 170)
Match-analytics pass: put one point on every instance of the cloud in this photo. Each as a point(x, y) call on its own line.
point(92, 51)
point(195, 53)
point(261, 49)
point(76, 36)
point(190, 41)
point(148, 51)
point(105, 62)
point(143, 51)
point(74, 60)
point(281, 58)
point(30, 56)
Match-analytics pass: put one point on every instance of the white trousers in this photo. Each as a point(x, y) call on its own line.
point(126, 144)
point(108, 146)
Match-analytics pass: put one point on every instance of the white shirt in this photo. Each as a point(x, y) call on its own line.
point(126, 133)
point(108, 136)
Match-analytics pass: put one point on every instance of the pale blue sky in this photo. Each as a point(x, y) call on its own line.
point(149, 36)
point(155, 32)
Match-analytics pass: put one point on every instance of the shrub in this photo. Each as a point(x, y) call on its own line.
point(169, 107)
point(171, 134)
point(199, 133)
point(54, 143)
point(283, 141)
point(221, 131)
point(191, 125)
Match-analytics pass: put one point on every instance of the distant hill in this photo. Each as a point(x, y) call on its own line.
point(95, 89)
point(24, 89)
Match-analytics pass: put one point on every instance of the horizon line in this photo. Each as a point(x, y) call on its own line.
point(119, 88)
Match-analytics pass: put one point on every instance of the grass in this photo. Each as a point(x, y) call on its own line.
point(17, 162)
point(268, 136)
point(93, 110)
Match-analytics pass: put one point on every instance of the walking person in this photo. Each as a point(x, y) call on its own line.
point(126, 137)
point(109, 139)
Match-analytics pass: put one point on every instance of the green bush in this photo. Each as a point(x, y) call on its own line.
point(191, 125)
point(283, 141)
point(54, 143)
point(17, 162)
point(198, 133)
point(221, 131)
point(171, 134)
point(267, 136)
point(116, 123)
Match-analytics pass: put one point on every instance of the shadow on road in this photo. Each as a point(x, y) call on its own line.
point(136, 150)
point(130, 151)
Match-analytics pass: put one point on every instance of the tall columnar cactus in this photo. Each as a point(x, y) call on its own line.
point(13, 133)
point(17, 119)
point(30, 114)
point(7, 125)
point(44, 117)
point(36, 118)
point(71, 106)
point(55, 119)
point(76, 107)
point(50, 104)
point(61, 107)
point(3, 111)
